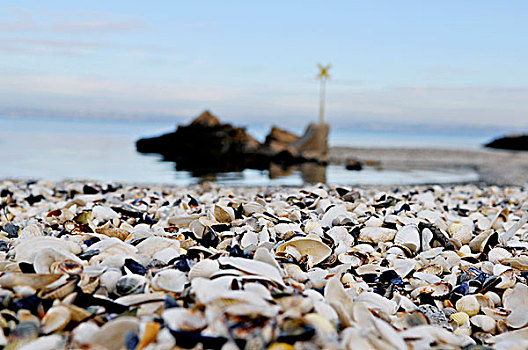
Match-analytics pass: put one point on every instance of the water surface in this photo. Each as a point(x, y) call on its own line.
point(57, 149)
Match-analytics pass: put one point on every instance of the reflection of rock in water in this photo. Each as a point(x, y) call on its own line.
point(277, 170)
point(313, 172)
point(206, 146)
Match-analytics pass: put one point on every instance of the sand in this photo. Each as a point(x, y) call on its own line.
point(493, 166)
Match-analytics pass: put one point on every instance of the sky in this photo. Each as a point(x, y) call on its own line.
point(455, 63)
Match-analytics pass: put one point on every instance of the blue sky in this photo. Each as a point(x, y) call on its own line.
point(438, 63)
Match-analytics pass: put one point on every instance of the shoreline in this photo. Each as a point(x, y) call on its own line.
point(494, 167)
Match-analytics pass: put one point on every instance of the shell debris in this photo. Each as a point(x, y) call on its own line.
point(160, 267)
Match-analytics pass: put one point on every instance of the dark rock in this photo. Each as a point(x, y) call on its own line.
point(353, 164)
point(207, 146)
point(513, 142)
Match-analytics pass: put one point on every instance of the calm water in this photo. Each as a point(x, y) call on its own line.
point(58, 149)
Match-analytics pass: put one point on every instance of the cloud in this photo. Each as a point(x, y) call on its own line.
point(49, 46)
point(97, 24)
point(19, 20)
point(22, 20)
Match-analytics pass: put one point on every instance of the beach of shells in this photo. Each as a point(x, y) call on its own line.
point(113, 266)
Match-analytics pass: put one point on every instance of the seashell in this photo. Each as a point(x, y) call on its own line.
point(150, 333)
point(31, 231)
point(142, 298)
point(332, 214)
point(497, 254)
point(409, 236)
point(378, 303)
point(349, 258)
point(166, 255)
point(70, 267)
point(519, 262)
point(204, 268)
point(253, 207)
point(506, 236)
point(184, 319)
point(118, 233)
point(507, 279)
point(130, 284)
point(494, 297)
point(502, 326)
point(253, 267)
point(315, 250)
point(484, 301)
point(323, 327)
point(46, 257)
point(104, 213)
point(367, 269)
point(33, 280)
point(79, 314)
point(262, 254)
point(468, 304)
point(112, 334)
point(461, 232)
point(49, 342)
point(516, 300)
point(56, 319)
point(463, 331)
point(109, 279)
point(499, 218)
point(376, 234)
point(170, 281)
point(411, 319)
point(250, 238)
point(28, 248)
point(58, 292)
point(84, 333)
point(224, 214)
point(459, 318)
point(484, 322)
point(183, 220)
point(440, 290)
point(152, 245)
point(496, 313)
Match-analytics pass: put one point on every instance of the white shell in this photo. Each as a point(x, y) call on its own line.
point(170, 280)
point(104, 213)
point(468, 304)
point(376, 234)
point(461, 232)
point(253, 267)
point(223, 214)
point(204, 268)
point(184, 319)
point(152, 245)
point(516, 300)
point(55, 319)
point(408, 235)
point(497, 254)
point(484, 322)
point(315, 249)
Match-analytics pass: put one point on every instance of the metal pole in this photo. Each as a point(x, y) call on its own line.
point(322, 100)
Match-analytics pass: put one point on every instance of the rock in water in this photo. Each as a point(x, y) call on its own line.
point(513, 142)
point(208, 146)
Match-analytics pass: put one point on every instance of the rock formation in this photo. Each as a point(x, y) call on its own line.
point(513, 142)
point(208, 146)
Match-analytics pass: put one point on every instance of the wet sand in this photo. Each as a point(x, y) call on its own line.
point(493, 166)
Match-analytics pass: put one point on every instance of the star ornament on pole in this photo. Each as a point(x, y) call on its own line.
point(323, 76)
